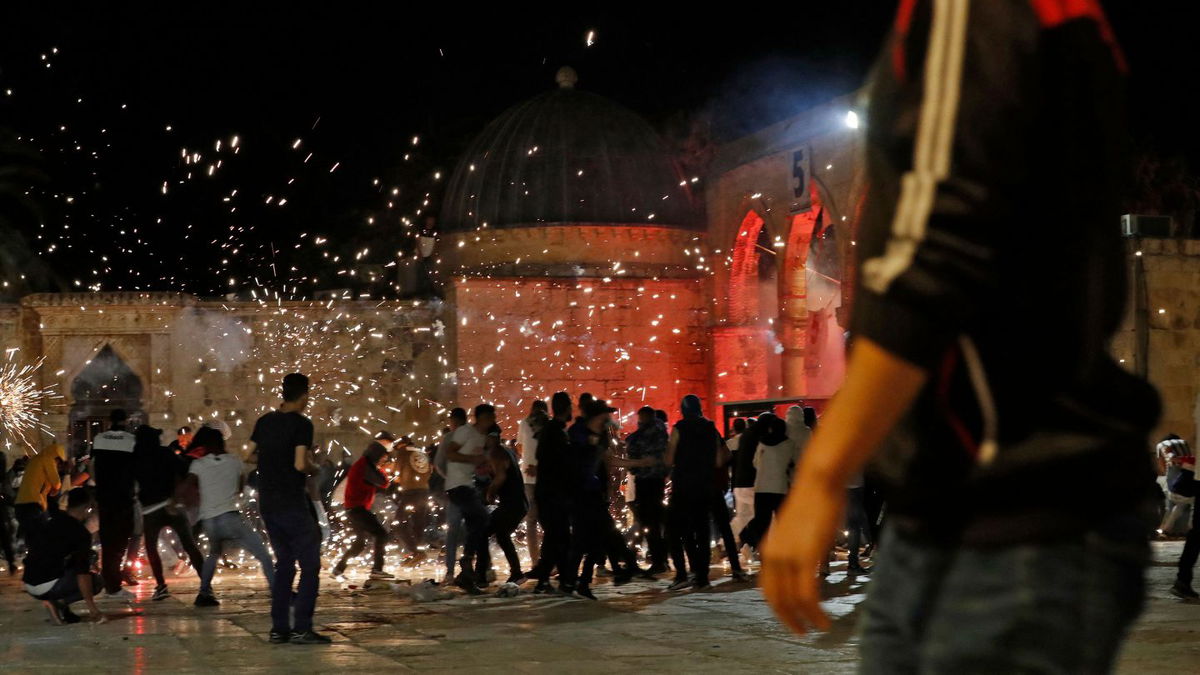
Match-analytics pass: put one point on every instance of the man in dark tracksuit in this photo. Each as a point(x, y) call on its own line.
point(112, 462)
point(991, 277)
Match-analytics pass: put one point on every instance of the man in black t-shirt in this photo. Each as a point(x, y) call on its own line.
point(58, 568)
point(281, 446)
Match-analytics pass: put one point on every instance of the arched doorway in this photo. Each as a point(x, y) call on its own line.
point(105, 384)
point(748, 355)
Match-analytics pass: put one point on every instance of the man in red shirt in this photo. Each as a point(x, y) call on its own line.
point(362, 482)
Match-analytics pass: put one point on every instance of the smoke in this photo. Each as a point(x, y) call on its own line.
point(220, 340)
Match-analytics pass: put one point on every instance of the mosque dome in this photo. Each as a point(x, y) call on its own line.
point(567, 157)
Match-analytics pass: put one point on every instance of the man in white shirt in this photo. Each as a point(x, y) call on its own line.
point(218, 477)
point(527, 430)
point(464, 452)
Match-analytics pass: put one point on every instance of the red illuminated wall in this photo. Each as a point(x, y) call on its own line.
point(633, 341)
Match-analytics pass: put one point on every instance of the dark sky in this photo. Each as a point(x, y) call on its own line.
point(356, 83)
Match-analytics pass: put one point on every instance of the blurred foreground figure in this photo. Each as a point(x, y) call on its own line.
point(990, 279)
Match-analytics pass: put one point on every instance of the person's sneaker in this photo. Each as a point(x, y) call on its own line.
point(68, 616)
point(121, 594)
point(128, 579)
point(1184, 591)
point(206, 600)
point(701, 584)
point(543, 588)
point(566, 589)
point(655, 570)
point(161, 593)
point(309, 638)
point(381, 574)
point(278, 637)
point(680, 584)
point(583, 591)
point(858, 570)
point(622, 577)
point(517, 578)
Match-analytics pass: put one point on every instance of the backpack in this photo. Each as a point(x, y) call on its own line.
point(1184, 484)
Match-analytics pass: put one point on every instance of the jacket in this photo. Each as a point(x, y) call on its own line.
point(41, 477)
point(989, 255)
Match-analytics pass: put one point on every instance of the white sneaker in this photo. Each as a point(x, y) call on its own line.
point(380, 574)
point(121, 595)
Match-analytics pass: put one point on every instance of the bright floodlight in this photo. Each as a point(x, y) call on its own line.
point(851, 119)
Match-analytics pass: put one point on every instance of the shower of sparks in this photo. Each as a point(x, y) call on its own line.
point(23, 400)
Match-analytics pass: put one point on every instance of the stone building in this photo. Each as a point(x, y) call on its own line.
point(173, 360)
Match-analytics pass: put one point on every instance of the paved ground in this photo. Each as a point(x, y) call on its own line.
point(634, 628)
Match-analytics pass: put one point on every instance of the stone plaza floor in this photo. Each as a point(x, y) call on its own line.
point(634, 628)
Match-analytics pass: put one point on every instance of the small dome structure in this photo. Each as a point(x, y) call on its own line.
point(563, 157)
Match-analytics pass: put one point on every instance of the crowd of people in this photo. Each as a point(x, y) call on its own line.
point(558, 483)
point(560, 477)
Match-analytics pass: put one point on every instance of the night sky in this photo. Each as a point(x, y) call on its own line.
point(356, 84)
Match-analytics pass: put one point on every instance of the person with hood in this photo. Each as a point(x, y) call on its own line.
point(158, 470)
point(694, 450)
point(40, 481)
point(774, 462)
point(647, 452)
point(362, 482)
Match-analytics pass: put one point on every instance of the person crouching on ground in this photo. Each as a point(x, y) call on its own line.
point(58, 568)
point(362, 482)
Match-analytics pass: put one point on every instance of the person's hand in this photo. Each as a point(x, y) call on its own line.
point(797, 543)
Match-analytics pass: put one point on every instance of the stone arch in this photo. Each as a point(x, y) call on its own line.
point(101, 384)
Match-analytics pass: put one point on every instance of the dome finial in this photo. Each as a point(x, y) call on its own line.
point(566, 77)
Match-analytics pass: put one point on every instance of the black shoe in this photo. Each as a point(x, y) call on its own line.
point(566, 589)
point(622, 577)
point(738, 576)
point(517, 578)
point(127, 579)
point(309, 638)
point(161, 593)
point(583, 591)
point(206, 600)
point(655, 570)
point(543, 588)
point(279, 637)
point(680, 584)
point(701, 584)
point(466, 581)
point(857, 570)
point(68, 616)
point(1184, 591)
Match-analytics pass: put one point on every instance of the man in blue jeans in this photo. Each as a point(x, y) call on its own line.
point(281, 446)
point(218, 478)
point(1016, 462)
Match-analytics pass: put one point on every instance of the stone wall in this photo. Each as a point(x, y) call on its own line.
point(1172, 282)
point(373, 365)
point(634, 342)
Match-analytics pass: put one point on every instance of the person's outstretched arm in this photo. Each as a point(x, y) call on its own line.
point(879, 388)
